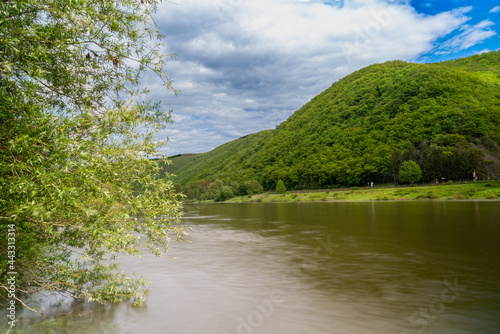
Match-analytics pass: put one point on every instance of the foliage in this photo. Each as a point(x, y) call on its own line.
point(280, 187)
point(75, 130)
point(444, 116)
point(410, 172)
point(215, 188)
point(225, 194)
point(250, 187)
point(208, 190)
point(475, 190)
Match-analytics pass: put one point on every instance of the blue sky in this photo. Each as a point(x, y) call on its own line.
point(246, 65)
point(481, 12)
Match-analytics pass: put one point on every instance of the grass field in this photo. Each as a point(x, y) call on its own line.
point(466, 191)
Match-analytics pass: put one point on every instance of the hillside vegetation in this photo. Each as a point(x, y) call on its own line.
point(444, 116)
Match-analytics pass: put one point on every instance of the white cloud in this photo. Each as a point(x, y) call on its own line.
point(482, 51)
point(495, 9)
point(245, 65)
point(470, 36)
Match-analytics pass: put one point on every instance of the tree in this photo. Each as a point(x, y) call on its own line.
point(76, 129)
point(249, 187)
point(215, 188)
point(280, 187)
point(395, 163)
point(410, 172)
point(225, 194)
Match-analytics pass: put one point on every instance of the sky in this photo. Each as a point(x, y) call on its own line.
point(243, 66)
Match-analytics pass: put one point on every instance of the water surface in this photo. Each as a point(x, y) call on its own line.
point(371, 267)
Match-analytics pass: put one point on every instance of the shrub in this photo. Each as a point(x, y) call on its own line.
point(402, 192)
point(280, 187)
point(459, 196)
point(382, 198)
point(429, 195)
point(471, 192)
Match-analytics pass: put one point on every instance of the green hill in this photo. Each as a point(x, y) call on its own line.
point(444, 116)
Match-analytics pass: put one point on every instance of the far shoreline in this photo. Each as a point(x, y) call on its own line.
point(464, 192)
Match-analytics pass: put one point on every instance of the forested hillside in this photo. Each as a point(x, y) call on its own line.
point(444, 116)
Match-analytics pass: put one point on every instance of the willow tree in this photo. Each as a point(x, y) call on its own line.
point(76, 131)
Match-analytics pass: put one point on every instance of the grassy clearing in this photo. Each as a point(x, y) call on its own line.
point(469, 191)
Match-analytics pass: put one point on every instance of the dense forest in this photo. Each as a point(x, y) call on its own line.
point(444, 116)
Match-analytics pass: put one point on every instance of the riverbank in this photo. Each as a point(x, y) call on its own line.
point(466, 191)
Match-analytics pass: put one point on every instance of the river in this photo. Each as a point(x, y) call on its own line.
point(292, 268)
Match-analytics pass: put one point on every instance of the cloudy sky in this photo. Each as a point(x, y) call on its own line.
point(246, 65)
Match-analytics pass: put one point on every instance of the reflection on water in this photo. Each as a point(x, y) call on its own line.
point(376, 267)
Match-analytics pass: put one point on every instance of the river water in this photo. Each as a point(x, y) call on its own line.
point(293, 268)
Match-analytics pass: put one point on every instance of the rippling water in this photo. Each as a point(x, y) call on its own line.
point(373, 267)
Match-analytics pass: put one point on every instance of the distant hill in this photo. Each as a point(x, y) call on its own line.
point(444, 116)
